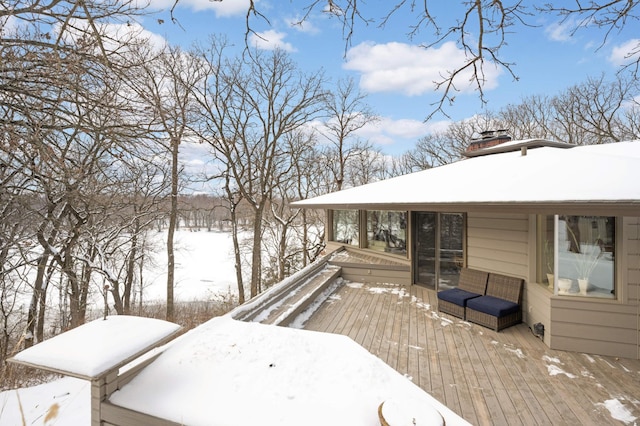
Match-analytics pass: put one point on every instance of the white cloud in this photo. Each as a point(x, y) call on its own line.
point(626, 52)
point(224, 8)
point(306, 27)
point(270, 40)
point(561, 30)
point(388, 131)
point(411, 69)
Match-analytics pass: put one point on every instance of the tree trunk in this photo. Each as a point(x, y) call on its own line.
point(117, 299)
point(35, 299)
point(282, 252)
point(237, 257)
point(173, 216)
point(130, 271)
point(256, 258)
point(42, 302)
point(75, 299)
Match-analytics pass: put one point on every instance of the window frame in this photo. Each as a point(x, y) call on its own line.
point(355, 242)
point(542, 258)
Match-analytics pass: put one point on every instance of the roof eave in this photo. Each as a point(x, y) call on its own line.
point(618, 207)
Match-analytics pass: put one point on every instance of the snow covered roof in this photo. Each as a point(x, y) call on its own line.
point(231, 372)
point(95, 348)
point(545, 178)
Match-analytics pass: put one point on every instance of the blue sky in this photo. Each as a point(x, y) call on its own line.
point(393, 69)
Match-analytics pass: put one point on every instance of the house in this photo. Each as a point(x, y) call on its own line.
point(564, 218)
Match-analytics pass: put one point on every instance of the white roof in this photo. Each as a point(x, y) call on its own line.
point(584, 175)
point(230, 372)
point(99, 346)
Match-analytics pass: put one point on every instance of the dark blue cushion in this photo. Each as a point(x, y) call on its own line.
point(457, 296)
point(493, 306)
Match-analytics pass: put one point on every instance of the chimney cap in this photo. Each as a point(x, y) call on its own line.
point(488, 134)
point(488, 138)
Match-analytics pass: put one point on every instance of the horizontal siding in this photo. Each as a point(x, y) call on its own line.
point(113, 414)
point(599, 347)
point(376, 275)
point(498, 243)
point(537, 308)
point(631, 230)
point(593, 313)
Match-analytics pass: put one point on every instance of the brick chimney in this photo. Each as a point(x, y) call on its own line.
point(488, 139)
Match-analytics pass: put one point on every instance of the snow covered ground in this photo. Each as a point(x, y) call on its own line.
point(204, 267)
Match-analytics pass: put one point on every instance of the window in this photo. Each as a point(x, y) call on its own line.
point(584, 253)
point(387, 231)
point(346, 227)
point(546, 252)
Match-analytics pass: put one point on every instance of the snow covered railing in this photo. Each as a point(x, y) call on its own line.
point(282, 302)
point(99, 350)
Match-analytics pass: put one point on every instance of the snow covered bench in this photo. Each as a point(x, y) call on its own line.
point(472, 284)
point(501, 306)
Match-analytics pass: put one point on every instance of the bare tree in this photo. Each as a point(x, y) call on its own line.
point(366, 164)
point(282, 243)
point(250, 103)
point(347, 112)
point(307, 181)
point(167, 83)
point(63, 126)
point(594, 109)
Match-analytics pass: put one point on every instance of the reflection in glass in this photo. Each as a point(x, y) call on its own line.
point(586, 256)
point(345, 227)
point(387, 231)
point(451, 246)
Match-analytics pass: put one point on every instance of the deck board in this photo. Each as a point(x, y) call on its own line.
point(488, 378)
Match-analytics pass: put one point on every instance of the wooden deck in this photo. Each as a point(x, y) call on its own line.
point(488, 378)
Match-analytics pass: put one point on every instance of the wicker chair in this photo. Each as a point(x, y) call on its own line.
point(472, 283)
point(501, 307)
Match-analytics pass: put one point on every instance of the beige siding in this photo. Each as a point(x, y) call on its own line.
point(594, 327)
point(537, 308)
point(114, 415)
point(631, 231)
point(376, 275)
point(498, 243)
point(609, 327)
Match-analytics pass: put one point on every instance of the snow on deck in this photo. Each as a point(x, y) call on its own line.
point(232, 372)
point(94, 348)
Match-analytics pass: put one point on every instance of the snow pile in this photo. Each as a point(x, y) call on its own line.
point(62, 402)
point(94, 348)
point(618, 411)
point(290, 377)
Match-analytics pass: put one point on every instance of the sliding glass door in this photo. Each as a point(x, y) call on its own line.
point(424, 258)
point(438, 249)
